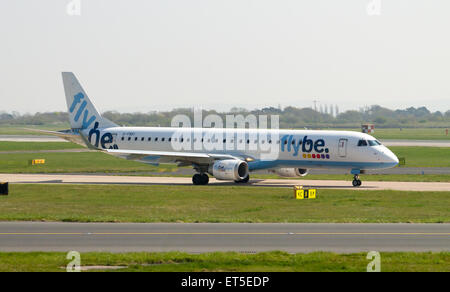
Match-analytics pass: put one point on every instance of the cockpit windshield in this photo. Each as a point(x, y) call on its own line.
point(374, 142)
point(362, 143)
point(368, 143)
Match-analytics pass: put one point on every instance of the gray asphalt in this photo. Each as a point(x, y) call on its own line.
point(247, 238)
point(30, 138)
point(395, 170)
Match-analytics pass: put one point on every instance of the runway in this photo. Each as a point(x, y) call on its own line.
point(396, 170)
point(207, 237)
point(149, 180)
point(30, 138)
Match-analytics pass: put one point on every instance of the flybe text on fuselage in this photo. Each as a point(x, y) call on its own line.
point(291, 143)
point(105, 139)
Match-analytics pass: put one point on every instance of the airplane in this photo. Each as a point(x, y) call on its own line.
point(237, 152)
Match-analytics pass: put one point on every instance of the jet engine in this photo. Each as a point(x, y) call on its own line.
point(229, 169)
point(290, 172)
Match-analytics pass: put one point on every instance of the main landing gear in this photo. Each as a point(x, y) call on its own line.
point(356, 181)
point(245, 180)
point(200, 179)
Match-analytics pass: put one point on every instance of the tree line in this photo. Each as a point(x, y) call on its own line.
point(290, 117)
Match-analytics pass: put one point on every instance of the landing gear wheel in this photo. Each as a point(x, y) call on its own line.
point(200, 179)
point(197, 179)
point(205, 179)
point(356, 181)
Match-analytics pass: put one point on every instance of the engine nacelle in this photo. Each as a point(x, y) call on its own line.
point(229, 169)
point(290, 172)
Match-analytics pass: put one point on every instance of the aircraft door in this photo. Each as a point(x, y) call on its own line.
point(342, 147)
point(114, 138)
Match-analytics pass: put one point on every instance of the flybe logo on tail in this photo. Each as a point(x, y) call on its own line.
point(106, 139)
point(79, 98)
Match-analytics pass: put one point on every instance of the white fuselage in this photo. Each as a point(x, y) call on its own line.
point(287, 148)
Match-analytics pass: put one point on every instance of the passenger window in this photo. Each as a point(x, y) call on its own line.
point(135, 138)
point(129, 138)
point(156, 139)
point(162, 139)
point(149, 139)
point(142, 139)
point(362, 143)
point(123, 138)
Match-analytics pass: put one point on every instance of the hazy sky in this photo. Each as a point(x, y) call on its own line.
point(147, 55)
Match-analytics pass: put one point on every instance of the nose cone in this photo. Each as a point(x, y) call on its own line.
point(390, 158)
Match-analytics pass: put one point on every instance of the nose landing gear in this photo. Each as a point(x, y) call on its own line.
point(200, 179)
point(356, 181)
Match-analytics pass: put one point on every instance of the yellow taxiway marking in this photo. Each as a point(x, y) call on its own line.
point(225, 233)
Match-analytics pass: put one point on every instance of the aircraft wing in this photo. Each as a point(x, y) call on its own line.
point(169, 157)
point(68, 135)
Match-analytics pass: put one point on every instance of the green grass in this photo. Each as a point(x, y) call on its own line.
point(406, 133)
point(412, 134)
point(423, 156)
point(21, 129)
point(96, 162)
point(228, 262)
point(74, 162)
point(37, 146)
point(119, 203)
point(101, 162)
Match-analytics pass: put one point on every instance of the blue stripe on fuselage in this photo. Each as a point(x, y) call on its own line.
point(264, 164)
